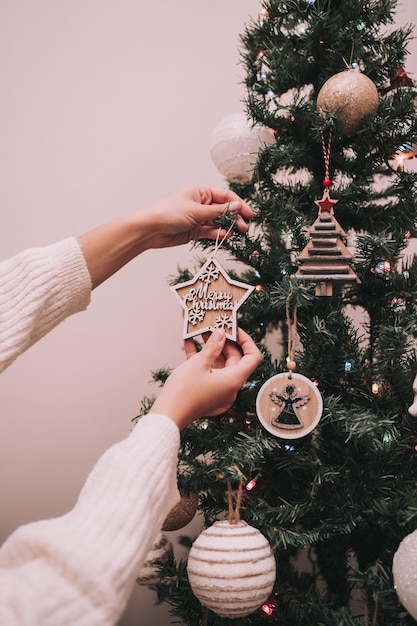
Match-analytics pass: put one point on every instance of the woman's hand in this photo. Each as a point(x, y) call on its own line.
point(184, 216)
point(190, 214)
point(208, 382)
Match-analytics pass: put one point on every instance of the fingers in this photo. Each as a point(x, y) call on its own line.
point(237, 209)
point(232, 354)
point(212, 349)
point(244, 355)
point(224, 200)
point(252, 356)
point(214, 346)
point(190, 348)
point(226, 196)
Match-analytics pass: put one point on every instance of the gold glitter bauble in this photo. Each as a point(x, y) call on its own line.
point(351, 96)
point(182, 513)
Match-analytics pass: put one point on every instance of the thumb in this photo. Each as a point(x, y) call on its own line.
point(214, 345)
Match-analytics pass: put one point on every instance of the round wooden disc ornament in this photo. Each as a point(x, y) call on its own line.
point(289, 405)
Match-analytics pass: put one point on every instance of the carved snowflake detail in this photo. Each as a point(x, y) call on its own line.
point(195, 316)
point(210, 273)
point(223, 321)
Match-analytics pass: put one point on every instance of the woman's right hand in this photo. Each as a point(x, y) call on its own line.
point(208, 382)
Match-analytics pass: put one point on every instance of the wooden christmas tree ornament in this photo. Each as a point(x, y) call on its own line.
point(326, 259)
point(211, 300)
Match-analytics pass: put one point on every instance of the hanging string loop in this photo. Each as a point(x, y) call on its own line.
point(234, 507)
point(219, 243)
point(326, 146)
point(292, 336)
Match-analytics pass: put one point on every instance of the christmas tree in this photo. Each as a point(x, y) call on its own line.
point(319, 451)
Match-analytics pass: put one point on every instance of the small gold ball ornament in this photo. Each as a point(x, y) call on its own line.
point(352, 96)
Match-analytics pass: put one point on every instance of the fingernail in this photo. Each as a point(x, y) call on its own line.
point(234, 206)
point(218, 335)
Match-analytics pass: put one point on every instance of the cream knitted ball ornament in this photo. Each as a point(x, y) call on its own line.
point(231, 568)
point(159, 553)
point(404, 570)
point(235, 144)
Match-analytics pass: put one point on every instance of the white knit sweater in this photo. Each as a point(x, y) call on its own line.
point(79, 569)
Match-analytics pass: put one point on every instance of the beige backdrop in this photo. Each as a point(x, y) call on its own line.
point(105, 106)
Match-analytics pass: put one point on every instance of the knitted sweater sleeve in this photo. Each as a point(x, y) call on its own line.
point(81, 568)
point(39, 288)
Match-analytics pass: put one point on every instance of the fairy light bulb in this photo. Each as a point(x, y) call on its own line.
point(349, 365)
point(251, 484)
point(268, 608)
point(383, 267)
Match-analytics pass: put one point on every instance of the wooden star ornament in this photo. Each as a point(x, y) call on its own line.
point(211, 300)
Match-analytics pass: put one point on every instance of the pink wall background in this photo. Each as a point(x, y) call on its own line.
point(105, 106)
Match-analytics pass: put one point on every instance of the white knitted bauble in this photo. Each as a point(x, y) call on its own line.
point(404, 570)
point(235, 144)
point(231, 568)
point(159, 553)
